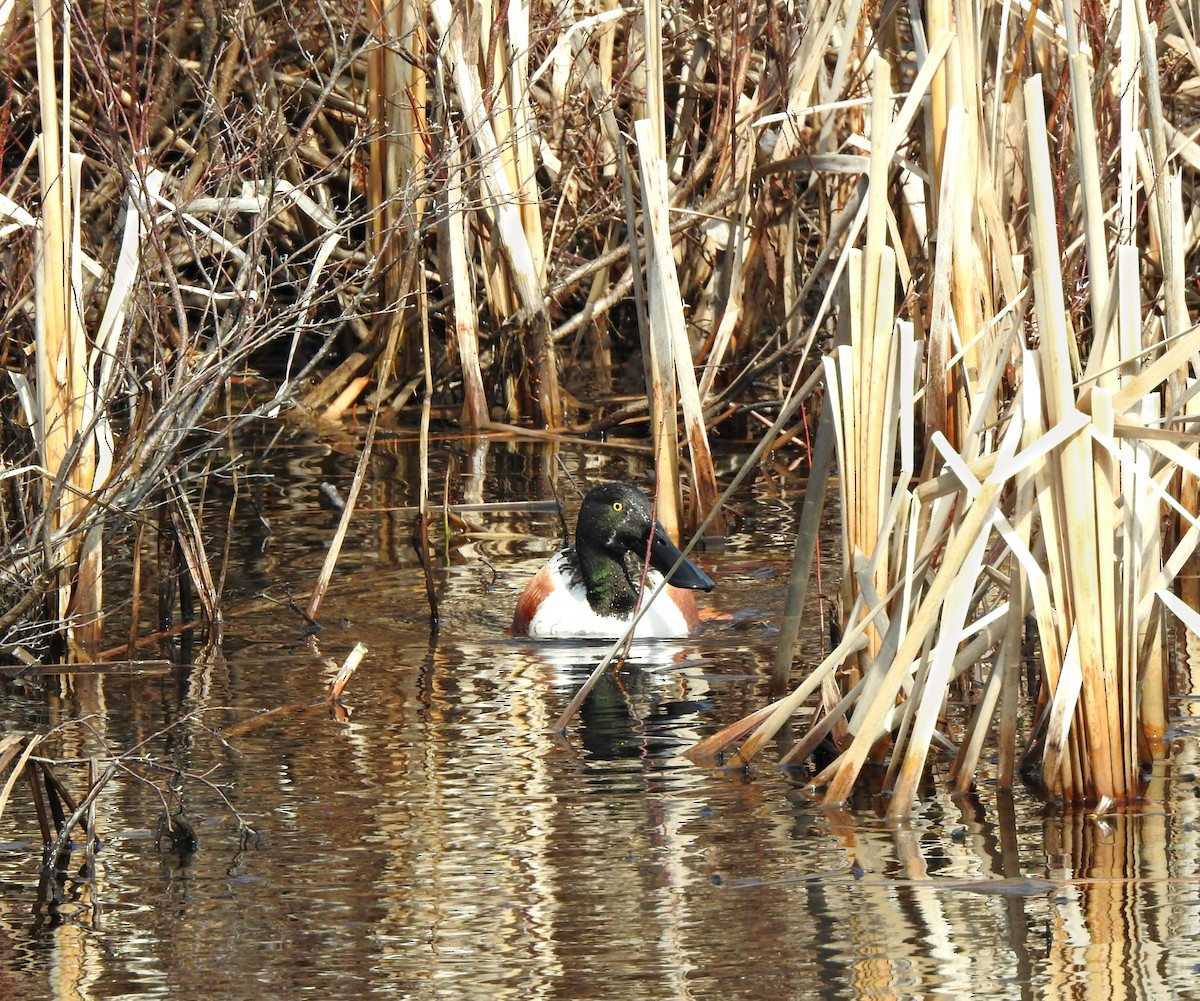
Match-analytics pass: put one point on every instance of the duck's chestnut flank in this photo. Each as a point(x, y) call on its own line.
point(591, 589)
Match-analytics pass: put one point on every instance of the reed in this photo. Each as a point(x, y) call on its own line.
point(62, 376)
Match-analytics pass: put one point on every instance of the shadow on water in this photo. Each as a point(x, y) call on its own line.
point(442, 843)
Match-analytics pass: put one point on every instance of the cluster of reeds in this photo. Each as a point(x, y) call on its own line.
point(181, 204)
point(1046, 372)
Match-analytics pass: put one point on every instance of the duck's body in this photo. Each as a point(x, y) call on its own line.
point(592, 589)
point(555, 603)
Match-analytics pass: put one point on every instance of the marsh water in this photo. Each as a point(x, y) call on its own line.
point(441, 842)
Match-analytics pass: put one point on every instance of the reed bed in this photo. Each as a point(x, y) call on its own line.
point(965, 234)
point(1010, 441)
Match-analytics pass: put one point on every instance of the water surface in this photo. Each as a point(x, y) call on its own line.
point(442, 843)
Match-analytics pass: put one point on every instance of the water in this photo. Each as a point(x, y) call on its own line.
point(442, 843)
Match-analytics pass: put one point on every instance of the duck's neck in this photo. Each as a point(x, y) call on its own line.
point(612, 585)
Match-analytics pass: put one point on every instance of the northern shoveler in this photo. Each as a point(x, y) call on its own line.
point(591, 589)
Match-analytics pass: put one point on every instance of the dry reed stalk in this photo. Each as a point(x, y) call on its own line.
point(971, 295)
point(396, 86)
point(457, 268)
point(62, 381)
point(940, 406)
point(15, 751)
point(664, 312)
point(1115, 626)
point(939, 21)
point(1144, 711)
point(190, 540)
point(737, 233)
point(337, 686)
point(673, 374)
point(421, 528)
point(1073, 488)
point(802, 553)
point(874, 373)
point(523, 139)
point(1161, 206)
point(347, 398)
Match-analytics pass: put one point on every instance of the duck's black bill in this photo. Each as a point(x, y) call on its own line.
point(664, 553)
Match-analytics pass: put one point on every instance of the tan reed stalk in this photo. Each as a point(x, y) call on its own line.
point(939, 21)
point(1163, 173)
point(725, 302)
point(102, 363)
point(665, 313)
point(971, 296)
point(805, 547)
point(1087, 150)
point(874, 374)
point(663, 300)
point(492, 38)
point(1114, 627)
point(191, 543)
point(1055, 773)
point(668, 330)
point(396, 85)
point(940, 385)
point(1156, 680)
point(1074, 487)
point(421, 532)
point(52, 292)
point(466, 318)
point(524, 136)
point(1144, 656)
point(848, 401)
point(732, 313)
point(62, 378)
point(87, 598)
point(15, 751)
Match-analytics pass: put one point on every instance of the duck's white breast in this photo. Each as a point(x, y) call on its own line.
point(565, 612)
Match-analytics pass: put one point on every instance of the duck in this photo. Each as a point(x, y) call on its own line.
point(591, 589)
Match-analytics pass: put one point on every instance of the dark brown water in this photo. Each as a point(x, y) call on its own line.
point(442, 844)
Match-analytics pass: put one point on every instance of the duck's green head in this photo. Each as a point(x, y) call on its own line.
point(616, 526)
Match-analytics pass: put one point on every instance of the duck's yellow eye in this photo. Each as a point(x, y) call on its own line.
point(618, 506)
